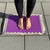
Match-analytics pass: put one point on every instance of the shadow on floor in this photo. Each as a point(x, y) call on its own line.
point(2, 15)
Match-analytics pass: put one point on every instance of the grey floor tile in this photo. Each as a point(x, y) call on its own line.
point(24, 0)
point(6, 0)
point(12, 43)
point(37, 43)
point(37, 9)
point(48, 22)
point(2, 8)
point(38, 0)
point(11, 9)
point(46, 8)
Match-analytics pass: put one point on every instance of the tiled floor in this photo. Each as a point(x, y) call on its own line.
point(11, 43)
point(37, 43)
point(26, 42)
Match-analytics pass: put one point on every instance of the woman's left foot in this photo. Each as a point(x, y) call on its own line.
point(28, 23)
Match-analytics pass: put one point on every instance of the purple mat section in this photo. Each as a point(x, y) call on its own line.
point(12, 25)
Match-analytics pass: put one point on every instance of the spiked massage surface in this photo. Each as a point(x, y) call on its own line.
point(11, 25)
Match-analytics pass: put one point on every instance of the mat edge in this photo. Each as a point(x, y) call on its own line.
point(42, 24)
point(25, 32)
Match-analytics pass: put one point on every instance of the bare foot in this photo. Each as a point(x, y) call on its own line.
point(20, 23)
point(28, 23)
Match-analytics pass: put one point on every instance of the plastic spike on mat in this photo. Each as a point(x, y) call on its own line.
point(37, 25)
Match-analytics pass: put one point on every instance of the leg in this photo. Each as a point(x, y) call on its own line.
point(30, 6)
point(19, 7)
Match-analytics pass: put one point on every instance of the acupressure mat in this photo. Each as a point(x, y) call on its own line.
point(12, 25)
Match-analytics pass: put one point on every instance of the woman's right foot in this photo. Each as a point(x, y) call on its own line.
point(20, 23)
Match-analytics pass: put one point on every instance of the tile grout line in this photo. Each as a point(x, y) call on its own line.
point(24, 7)
point(43, 16)
point(2, 24)
point(45, 19)
point(24, 42)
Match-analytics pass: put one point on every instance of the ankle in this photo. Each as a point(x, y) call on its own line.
point(27, 18)
point(21, 18)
